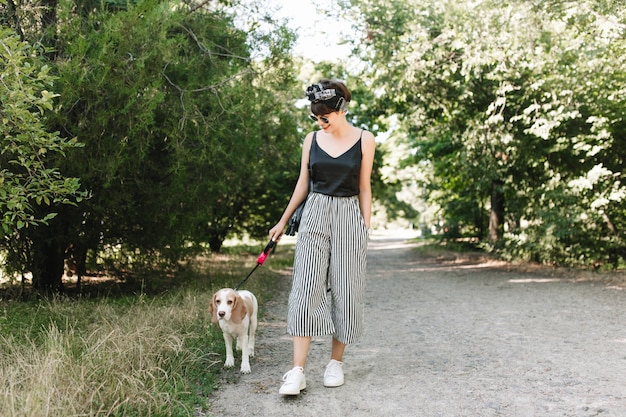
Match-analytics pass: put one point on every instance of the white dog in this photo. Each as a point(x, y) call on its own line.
point(236, 312)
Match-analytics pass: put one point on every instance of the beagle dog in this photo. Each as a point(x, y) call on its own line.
point(236, 313)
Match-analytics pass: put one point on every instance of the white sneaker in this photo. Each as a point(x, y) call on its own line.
point(294, 382)
point(333, 377)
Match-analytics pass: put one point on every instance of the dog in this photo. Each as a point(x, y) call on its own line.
point(236, 313)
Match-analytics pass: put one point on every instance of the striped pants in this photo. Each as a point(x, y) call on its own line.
point(327, 293)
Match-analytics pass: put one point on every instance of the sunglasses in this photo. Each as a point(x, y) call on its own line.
point(315, 118)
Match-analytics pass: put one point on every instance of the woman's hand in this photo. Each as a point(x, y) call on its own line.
point(277, 231)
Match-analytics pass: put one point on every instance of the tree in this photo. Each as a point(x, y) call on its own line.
point(31, 186)
point(512, 107)
point(183, 129)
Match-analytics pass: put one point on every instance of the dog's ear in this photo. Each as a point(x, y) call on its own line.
point(239, 310)
point(213, 309)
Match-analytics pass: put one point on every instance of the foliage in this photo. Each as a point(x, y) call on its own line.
point(518, 104)
point(187, 137)
point(28, 178)
point(510, 118)
point(32, 187)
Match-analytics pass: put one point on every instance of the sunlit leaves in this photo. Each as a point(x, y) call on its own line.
point(28, 176)
point(529, 95)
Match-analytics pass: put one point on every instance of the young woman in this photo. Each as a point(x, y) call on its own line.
point(330, 259)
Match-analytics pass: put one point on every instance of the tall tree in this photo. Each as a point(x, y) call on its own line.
point(513, 106)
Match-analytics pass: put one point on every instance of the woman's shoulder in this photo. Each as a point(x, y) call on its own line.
point(366, 134)
point(309, 136)
point(368, 138)
point(308, 140)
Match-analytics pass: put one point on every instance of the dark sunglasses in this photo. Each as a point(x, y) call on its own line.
point(315, 118)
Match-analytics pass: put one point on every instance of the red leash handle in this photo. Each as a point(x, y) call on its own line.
point(261, 259)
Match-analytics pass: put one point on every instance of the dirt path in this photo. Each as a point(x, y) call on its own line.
point(446, 338)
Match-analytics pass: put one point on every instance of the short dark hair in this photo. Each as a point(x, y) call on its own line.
point(322, 107)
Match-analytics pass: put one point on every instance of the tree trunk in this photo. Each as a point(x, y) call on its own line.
point(496, 215)
point(215, 243)
point(47, 271)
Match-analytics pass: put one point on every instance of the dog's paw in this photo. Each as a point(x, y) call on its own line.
point(245, 368)
point(251, 349)
point(230, 362)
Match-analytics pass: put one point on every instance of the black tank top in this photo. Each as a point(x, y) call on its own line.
point(338, 176)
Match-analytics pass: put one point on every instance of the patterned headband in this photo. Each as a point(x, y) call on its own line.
point(330, 96)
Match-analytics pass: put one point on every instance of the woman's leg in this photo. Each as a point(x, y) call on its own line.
point(347, 267)
point(333, 376)
point(301, 346)
point(294, 380)
point(337, 350)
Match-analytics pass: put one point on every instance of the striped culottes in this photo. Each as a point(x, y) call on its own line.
point(327, 293)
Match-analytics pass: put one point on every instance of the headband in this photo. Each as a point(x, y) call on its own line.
point(330, 96)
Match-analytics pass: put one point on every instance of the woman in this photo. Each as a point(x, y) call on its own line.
point(330, 259)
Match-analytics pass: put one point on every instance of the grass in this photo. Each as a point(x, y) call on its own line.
point(124, 355)
point(437, 248)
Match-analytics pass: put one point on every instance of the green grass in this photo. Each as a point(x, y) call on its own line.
point(434, 247)
point(125, 355)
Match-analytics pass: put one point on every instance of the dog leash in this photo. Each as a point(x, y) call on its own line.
point(260, 260)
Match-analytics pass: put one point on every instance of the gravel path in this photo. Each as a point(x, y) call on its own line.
point(451, 338)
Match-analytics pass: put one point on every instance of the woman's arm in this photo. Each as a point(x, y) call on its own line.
point(368, 147)
point(299, 194)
